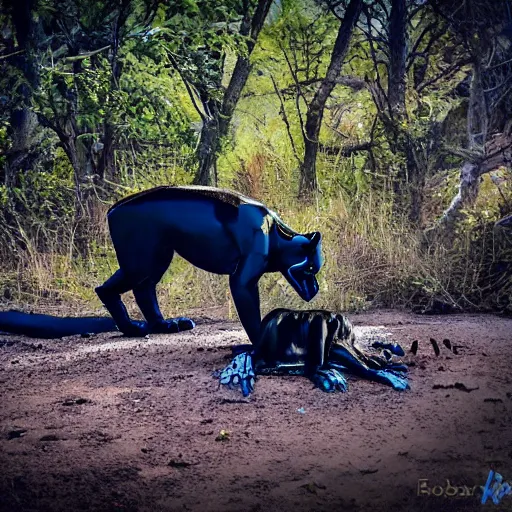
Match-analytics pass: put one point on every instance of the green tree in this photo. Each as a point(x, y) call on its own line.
point(198, 36)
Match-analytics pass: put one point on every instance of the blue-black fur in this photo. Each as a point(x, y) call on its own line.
point(313, 342)
point(216, 230)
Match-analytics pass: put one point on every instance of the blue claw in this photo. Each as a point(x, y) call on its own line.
point(395, 379)
point(239, 372)
point(184, 323)
point(330, 381)
point(394, 348)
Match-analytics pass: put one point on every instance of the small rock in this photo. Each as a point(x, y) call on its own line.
point(223, 436)
point(49, 437)
point(435, 346)
point(178, 463)
point(16, 433)
point(312, 487)
point(74, 401)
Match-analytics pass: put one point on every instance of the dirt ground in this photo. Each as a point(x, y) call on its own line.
point(108, 423)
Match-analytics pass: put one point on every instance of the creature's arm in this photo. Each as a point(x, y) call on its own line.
point(244, 290)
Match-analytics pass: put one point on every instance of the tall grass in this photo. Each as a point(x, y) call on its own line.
point(372, 256)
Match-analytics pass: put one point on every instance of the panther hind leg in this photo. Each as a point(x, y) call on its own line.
point(110, 295)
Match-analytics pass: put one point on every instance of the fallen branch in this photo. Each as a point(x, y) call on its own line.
point(496, 153)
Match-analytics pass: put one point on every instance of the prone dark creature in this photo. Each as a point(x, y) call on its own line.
point(317, 344)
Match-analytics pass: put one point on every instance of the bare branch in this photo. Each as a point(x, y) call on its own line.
point(282, 111)
point(445, 73)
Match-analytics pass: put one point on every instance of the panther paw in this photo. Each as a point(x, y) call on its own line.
point(135, 329)
point(184, 323)
point(393, 378)
point(239, 372)
point(173, 325)
point(330, 381)
point(394, 348)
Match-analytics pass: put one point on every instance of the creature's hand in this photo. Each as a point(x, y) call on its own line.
point(394, 348)
point(239, 372)
point(394, 378)
point(330, 380)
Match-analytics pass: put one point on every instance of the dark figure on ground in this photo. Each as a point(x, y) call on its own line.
point(317, 344)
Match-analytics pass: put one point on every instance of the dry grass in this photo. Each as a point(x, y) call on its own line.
point(372, 258)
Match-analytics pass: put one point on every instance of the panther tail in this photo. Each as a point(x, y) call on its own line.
point(47, 326)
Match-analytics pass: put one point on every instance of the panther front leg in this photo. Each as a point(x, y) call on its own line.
point(244, 290)
point(145, 296)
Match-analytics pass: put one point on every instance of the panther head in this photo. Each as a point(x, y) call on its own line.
point(300, 263)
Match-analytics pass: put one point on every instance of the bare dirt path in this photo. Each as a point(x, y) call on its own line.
point(114, 424)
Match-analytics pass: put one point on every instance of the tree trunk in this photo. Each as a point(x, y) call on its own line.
point(21, 154)
point(410, 177)
point(409, 180)
point(23, 122)
point(498, 153)
point(308, 180)
point(397, 59)
point(219, 115)
point(106, 161)
point(252, 28)
point(70, 148)
point(478, 115)
point(466, 195)
point(208, 147)
point(415, 183)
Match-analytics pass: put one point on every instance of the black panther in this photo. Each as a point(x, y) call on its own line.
point(216, 230)
point(317, 344)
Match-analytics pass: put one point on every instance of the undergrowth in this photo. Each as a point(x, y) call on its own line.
point(372, 256)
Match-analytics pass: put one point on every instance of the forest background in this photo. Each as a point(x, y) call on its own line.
point(384, 124)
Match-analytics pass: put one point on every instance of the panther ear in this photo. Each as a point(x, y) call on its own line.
point(314, 240)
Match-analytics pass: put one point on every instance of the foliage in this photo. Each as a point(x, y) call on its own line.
point(121, 92)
